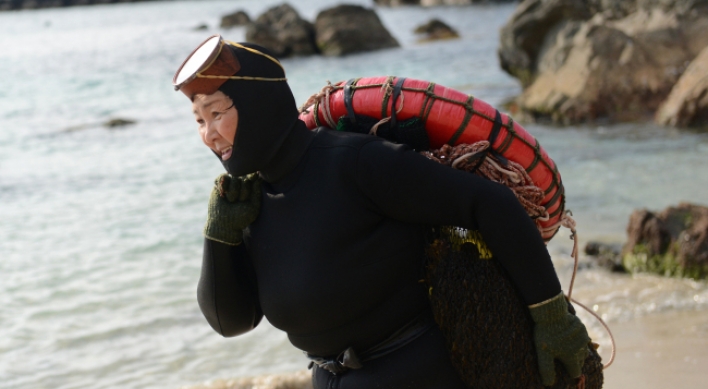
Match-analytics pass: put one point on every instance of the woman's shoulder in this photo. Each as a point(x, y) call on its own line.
point(328, 138)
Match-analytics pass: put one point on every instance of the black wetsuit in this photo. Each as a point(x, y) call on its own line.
point(335, 255)
point(337, 248)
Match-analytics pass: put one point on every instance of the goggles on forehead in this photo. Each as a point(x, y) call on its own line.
point(209, 66)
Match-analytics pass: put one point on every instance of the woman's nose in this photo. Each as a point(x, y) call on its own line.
point(211, 134)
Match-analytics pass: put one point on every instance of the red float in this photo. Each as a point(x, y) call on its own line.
point(450, 117)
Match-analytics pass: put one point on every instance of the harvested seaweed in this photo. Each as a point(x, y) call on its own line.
point(487, 326)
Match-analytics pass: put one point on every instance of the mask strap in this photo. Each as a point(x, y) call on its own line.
point(254, 51)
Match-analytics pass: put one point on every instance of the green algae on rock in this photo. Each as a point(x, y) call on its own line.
point(671, 243)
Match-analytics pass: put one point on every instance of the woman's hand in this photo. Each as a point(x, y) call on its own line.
point(558, 334)
point(233, 205)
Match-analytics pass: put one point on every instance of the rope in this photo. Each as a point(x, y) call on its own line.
point(465, 156)
point(247, 78)
point(322, 96)
point(607, 328)
point(568, 222)
point(375, 127)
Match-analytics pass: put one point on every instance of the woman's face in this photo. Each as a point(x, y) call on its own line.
point(218, 119)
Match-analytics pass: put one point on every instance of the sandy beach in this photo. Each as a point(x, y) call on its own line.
point(659, 351)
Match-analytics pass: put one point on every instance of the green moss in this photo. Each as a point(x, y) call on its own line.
point(524, 75)
point(642, 260)
point(688, 220)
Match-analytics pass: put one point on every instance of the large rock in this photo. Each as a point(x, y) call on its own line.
point(6, 5)
point(687, 104)
point(583, 60)
point(347, 29)
point(235, 19)
point(396, 3)
point(672, 242)
point(435, 29)
point(282, 30)
point(435, 3)
point(605, 255)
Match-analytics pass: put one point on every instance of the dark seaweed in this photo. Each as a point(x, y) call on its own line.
point(487, 325)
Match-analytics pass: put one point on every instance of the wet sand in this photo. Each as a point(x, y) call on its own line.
point(658, 351)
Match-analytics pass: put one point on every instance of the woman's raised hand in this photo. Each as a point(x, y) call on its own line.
point(233, 205)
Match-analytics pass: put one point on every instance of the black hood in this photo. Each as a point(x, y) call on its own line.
point(266, 111)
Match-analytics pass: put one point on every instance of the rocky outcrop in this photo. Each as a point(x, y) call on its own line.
point(435, 30)
point(337, 31)
point(283, 31)
point(7, 5)
point(687, 104)
point(673, 242)
point(348, 29)
point(236, 19)
point(586, 60)
point(118, 122)
point(435, 3)
point(605, 255)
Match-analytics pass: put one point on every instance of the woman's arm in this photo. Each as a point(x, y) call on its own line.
point(227, 291)
point(407, 186)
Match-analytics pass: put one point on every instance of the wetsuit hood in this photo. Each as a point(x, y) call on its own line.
point(266, 111)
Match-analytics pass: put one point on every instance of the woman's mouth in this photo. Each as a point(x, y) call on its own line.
point(226, 154)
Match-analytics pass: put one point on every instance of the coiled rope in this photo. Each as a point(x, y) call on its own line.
point(466, 157)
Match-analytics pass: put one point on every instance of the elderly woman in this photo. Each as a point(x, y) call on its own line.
point(323, 233)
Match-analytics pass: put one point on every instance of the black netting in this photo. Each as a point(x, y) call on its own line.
point(474, 302)
point(410, 132)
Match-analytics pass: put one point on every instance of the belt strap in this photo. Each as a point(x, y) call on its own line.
point(349, 359)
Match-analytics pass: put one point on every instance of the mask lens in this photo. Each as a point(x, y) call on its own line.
point(200, 58)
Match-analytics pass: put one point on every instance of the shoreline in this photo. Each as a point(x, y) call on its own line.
point(667, 349)
point(17, 5)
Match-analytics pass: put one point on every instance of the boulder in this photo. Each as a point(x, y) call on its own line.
point(673, 242)
point(687, 104)
point(282, 30)
point(6, 5)
point(236, 19)
point(587, 60)
point(436, 30)
point(396, 3)
point(434, 3)
point(605, 255)
point(347, 29)
point(118, 122)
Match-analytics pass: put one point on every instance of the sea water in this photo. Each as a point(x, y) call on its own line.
point(100, 229)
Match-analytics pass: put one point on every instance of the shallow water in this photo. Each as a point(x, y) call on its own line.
point(100, 238)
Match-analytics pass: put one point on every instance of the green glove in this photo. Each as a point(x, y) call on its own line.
point(558, 334)
point(233, 205)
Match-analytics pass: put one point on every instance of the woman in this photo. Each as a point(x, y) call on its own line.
point(323, 233)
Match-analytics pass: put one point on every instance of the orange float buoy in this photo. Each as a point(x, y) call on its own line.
point(450, 117)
